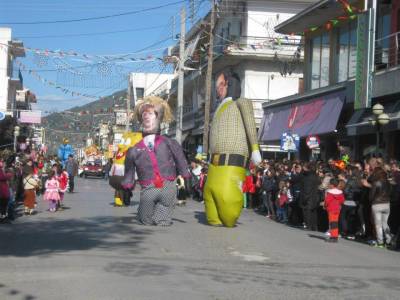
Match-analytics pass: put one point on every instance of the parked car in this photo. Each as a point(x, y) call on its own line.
point(94, 169)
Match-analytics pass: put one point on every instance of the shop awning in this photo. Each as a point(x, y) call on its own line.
point(359, 121)
point(315, 15)
point(316, 116)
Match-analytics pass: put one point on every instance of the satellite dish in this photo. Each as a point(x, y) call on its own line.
point(2, 115)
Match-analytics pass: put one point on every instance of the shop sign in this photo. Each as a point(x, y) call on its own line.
point(313, 141)
point(30, 117)
point(290, 142)
point(365, 59)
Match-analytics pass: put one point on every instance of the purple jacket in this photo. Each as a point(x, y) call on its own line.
point(167, 160)
point(4, 189)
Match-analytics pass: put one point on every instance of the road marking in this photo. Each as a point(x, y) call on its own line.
point(256, 257)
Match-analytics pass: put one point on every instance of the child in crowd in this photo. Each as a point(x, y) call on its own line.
point(63, 185)
point(52, 191)
point(333, 203)
point(30, 185)
point(202, 182)
point(284, 197)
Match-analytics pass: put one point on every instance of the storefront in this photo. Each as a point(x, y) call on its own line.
point(305, 115)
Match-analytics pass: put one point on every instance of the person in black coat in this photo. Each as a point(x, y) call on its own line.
point(269, 189)
point(295, 213)
point(310, 199)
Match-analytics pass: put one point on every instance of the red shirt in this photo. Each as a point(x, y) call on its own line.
point(333, 200)
point(248, 185)
point(63, 181)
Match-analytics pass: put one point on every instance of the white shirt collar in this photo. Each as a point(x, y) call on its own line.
point(149, 141)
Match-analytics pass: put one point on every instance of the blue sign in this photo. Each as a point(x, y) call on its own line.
point(290, 142)
point(2, 115)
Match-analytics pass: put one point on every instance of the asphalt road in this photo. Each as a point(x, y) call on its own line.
point(95, 251)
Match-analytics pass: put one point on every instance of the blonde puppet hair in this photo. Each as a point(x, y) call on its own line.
point(160, 106)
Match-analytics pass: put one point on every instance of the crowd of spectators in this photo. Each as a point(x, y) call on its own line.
point(23, 178)
point(295, 193)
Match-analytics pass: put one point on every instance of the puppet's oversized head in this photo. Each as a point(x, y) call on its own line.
point(151, 112)
point(129, 139)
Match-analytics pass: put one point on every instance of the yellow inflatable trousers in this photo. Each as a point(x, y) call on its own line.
point(223, 196)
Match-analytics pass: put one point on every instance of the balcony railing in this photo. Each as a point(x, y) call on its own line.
point(283, 45)
point(387, 52)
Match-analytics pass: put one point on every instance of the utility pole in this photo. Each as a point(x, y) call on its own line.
point(128, 103)
point(209, 81)
point(178, 134)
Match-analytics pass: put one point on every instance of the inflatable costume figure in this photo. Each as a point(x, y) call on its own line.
point(157, 160)
point(64, 151)
point(117, 171)
point(233, 140)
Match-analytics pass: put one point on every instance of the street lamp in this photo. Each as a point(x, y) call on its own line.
point(379, 119)
point(16, 133)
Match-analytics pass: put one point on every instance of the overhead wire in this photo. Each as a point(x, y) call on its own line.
point(87, 34)
point(95, 18)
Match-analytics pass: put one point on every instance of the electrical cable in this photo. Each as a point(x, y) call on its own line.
point(87, 34)
point(94, 18)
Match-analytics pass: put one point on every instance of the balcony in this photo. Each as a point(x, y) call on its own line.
point(264, 47)
point(387, 66)
point(15, 75)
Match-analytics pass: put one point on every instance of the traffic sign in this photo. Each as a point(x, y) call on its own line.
point(2, 115)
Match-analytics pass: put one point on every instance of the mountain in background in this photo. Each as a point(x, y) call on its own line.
point(80, 122)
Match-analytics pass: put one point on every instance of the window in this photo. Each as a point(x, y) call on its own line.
point(325, 50)
point(382, 46)
point(139, 93)
point(347, 52)
point(320, 54)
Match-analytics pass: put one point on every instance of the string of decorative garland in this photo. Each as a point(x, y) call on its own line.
point(59, 53)
point(51, 83)
point(350, 14)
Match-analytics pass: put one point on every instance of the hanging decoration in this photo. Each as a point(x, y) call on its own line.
point(350, 13)
point(115, 57)
point(51, 83)
point(40, 59)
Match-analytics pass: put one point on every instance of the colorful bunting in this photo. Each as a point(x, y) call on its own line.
point(51, 83)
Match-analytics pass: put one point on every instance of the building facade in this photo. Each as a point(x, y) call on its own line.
point(245, 43)
point(10, 77)
point(328, 107)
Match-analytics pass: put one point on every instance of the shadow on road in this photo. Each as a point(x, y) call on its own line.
point(201, 217)
point(315, 236)
point(51, 236)
point(11, 292)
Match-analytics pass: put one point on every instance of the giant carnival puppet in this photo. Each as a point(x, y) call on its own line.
point(157, 160)
point(122, 196)
point(232, 142)
point(64, 151)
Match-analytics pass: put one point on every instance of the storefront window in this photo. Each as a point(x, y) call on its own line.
point(353, 50)
point(347, 52)
point(316, 62)
point(320, 61)
point(325, 50)
point(343, 55)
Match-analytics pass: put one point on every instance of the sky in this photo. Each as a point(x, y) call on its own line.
point(66, 60)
